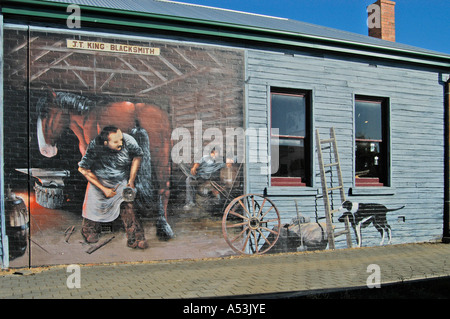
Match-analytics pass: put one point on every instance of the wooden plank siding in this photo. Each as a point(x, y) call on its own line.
point(416, 135)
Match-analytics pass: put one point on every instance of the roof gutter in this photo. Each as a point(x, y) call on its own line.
point(99, 15)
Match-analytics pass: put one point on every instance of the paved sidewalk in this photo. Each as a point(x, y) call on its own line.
point(233, 276)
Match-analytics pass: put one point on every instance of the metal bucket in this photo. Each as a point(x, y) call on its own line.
point(49, 196)
point(49, 189)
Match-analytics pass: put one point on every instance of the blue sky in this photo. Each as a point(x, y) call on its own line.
point(421, 23)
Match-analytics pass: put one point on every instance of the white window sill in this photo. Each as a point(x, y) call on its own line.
point(291, 191)
point(372, 191)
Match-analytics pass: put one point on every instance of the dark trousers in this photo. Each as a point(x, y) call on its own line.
point(133, 226)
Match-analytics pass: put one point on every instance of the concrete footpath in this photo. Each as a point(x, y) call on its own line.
point(243, 276)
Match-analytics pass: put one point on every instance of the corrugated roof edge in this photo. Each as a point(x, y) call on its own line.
point(102, 14)
point(221, 9)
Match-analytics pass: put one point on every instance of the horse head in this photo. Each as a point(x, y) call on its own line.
point(54, 110)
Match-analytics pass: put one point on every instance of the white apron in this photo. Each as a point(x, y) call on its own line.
point(98, 208)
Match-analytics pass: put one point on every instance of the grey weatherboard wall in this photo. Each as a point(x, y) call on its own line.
point(416, 134)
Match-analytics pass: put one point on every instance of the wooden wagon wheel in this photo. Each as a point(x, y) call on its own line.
point(251, 224)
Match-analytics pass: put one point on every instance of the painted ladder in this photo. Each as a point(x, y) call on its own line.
point(327, 192)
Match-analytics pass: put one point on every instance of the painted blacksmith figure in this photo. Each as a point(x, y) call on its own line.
point(110, 165)
point(207, 168)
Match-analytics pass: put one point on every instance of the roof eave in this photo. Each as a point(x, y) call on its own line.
point(101, 15)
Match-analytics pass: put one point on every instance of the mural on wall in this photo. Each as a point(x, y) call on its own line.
point(362, 215)
point(119, 150)
point(90, 124)
point(107, 154)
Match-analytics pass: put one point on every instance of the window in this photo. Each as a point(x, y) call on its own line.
point(371, 142)
point(290, 137)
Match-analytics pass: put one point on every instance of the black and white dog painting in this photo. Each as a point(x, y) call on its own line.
point(362, 215)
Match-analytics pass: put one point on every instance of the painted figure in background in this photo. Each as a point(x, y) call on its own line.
point(207, 168)
point(148, 124)
point(110, 165)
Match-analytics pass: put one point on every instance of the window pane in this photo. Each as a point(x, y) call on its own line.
point(371, 143)
point(368, 159)
point(288, 114)
point(290, 144)
point(291, 159)
point(368, 121)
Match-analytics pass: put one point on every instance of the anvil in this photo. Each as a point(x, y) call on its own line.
point(47, 177)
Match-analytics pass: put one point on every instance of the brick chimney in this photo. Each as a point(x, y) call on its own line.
point(381, 20)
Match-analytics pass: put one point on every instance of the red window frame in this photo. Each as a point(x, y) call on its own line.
point(382, 179)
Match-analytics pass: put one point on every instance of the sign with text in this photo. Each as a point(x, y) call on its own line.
point(111, 47)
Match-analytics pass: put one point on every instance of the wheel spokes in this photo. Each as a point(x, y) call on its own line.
point(237, 215)
point(245, 209)
point(244, 225)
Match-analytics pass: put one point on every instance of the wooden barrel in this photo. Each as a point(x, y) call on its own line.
point(17, 225)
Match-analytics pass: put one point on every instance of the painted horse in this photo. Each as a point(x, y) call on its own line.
point(147, 123)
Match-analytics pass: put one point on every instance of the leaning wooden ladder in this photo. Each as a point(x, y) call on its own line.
point(325, 169)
